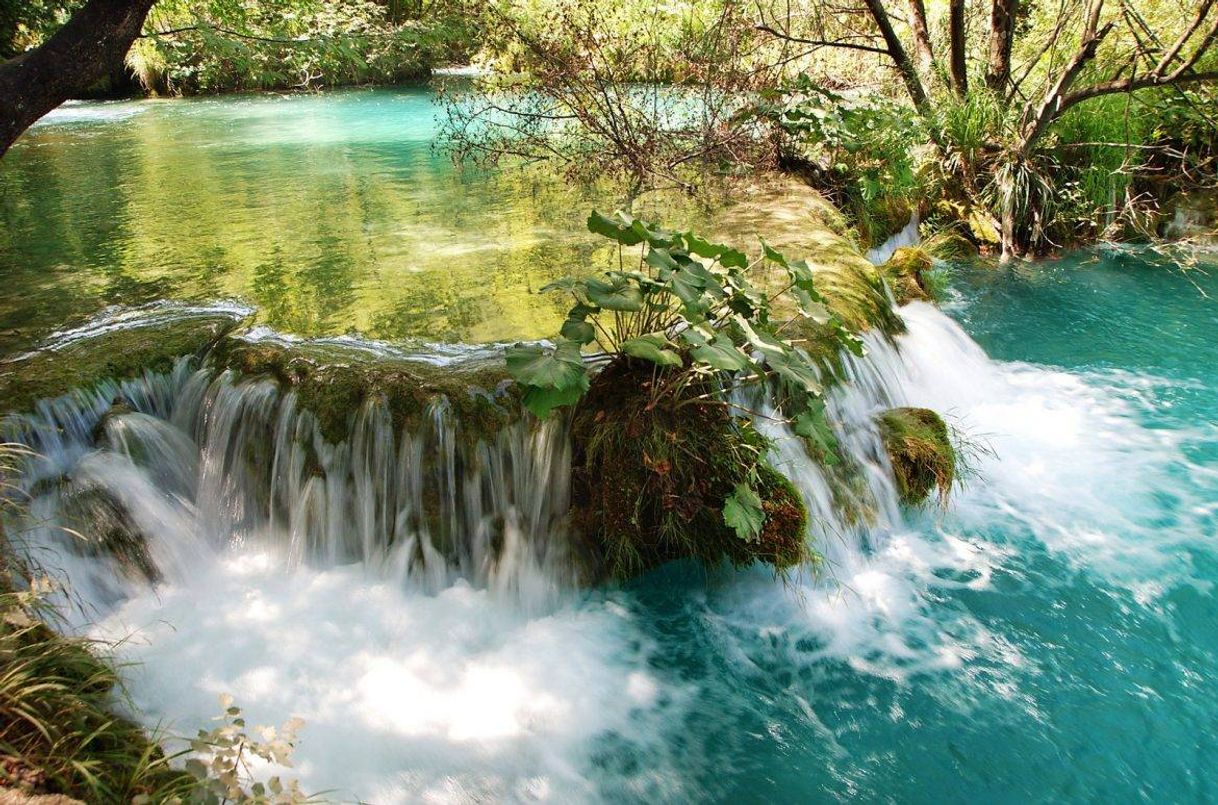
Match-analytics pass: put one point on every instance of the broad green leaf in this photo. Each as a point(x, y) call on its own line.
point(559, 368)
point(766, 343)
point(793, 369)
point(733, 258)
point(541, 401)
point(652, 348)
point(773, 255)
point(743, 513)
point(720, 353)
point(621, 230)
point(579, 331)
point(661, 260)
point(617, 294)
point(814, 426)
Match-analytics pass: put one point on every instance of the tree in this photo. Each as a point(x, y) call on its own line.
point(1084, 51)
point(87, 48)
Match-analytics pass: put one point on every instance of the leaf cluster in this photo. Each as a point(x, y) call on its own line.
point(705, 316)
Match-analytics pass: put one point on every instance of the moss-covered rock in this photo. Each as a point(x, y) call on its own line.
point(906, 272)
point(332, 384)
point(650, 477)
point(149, 344)
point(921, 451)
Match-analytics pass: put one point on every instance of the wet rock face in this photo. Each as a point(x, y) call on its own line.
point(102, 526)
point(921, 452)
point(905, 272)
point(650, 478)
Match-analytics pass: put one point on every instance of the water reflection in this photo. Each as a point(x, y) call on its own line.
point(332, 213)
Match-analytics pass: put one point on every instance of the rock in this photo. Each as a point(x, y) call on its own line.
point(921, 451)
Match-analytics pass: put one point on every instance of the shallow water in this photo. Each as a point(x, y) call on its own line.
point(1053, 636)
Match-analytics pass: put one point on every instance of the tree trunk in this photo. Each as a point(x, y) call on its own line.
point(81, 53)
point(957, 35)
point(1002, 35)
point(921, 34)
point(899, 56)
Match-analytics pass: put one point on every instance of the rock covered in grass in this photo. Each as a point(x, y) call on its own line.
point(921, 451)
point(906, 274)
point(651, 473)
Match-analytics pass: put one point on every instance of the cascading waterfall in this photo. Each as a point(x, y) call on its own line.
point(409, 592)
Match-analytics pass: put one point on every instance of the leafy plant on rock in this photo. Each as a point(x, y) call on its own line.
point(692, 325)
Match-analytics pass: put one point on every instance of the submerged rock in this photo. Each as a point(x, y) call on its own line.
point(650, 476)
point(921, 451)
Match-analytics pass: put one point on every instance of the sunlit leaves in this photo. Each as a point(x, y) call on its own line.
point(619, 293)
point(654, 348)
point(689, 307)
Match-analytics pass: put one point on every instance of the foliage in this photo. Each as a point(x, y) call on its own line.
point(58, 732)
point(689, 308)
point(593, 89)
point(685, 330)
point(223, 774)
point(213, 45)
point(859, 148)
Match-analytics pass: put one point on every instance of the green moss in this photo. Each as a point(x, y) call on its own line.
point(906, 272)
point(921, 451)
point(333, 386)
point(650, 477)
point(116, 355)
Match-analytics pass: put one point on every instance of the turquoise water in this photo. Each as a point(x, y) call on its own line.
point(1070, 592)
point(1053, 636)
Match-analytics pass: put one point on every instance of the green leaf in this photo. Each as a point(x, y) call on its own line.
point(541, 401)
point(743, 513)
point(661, 260)
point(559, 368)
point(578, 331)
point(773, 255)
point(617, 294)
point(621, 230)
point(720, 353)
point(792, 368)
point(733, 258)
point(652, 348)
point(814, 426)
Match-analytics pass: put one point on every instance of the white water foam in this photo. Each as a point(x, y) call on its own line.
point(439, 690)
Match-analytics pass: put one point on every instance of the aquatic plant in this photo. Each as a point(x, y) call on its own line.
point(681, 335)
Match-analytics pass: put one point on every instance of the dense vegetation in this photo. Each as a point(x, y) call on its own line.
point(1025, 126)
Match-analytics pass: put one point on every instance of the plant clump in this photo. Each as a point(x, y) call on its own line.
point(654, 480)
point(920, 449)
point(58, 734)
point(664, 467)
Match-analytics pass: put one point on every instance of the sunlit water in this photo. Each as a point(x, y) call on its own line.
point(1051, 637)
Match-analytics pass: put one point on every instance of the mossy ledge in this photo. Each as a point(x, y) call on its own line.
point(650, 477)
point(906, 274)
point(332, 384)
point(150, 344)
point(921, 451)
